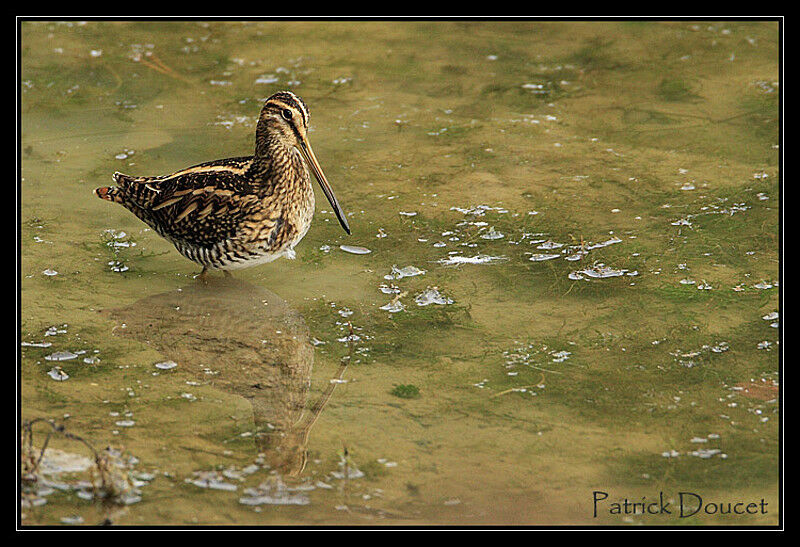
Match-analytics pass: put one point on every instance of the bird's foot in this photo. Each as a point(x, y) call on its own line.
point(202, 277)
point(290, 254)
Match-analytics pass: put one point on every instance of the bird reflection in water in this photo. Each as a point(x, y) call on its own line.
point(257, 343)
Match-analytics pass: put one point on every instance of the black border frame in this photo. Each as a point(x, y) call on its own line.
point(18, 270)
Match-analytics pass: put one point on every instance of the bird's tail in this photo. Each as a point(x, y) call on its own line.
point(114, 193)
point(109, 193)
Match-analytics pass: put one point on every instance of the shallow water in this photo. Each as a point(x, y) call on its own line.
point(572, 285)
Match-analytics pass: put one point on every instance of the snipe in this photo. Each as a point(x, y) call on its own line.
point(237, 212)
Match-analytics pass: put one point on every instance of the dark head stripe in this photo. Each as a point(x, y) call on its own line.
point(288, 98)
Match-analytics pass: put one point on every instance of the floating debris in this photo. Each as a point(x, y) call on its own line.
point(687, 359)
point(116, 240)
point(273, 492)
point(477, 259)
point(118, 266)
point(533, 355)
point(347, 471)
point(109, 471)
point(600, 271)
point(431, 296)
point(36, 344)
point(549, 245)
point(560, 356)
point(492, 234)
point(575, 256)
point(57, 461)
point(400, 273)
point(478, 210)
point(538, 89)
point(349, 338)
point(61, 356)
point(602, 244)
point(720, 348)
point(267, 79)
point(539, 257)
point(211, 480)
point(774, 317)
point(353, 249)
point(53, 331)
point(393, 306)
point(389, 289)
point(58, 374)
point(705, 453)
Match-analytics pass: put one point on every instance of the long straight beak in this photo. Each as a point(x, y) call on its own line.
point(311, 160)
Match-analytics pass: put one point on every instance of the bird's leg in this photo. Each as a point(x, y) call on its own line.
point(227, 273)
point(203, 276)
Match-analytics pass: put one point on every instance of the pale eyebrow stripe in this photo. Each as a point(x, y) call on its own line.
point(300, 105)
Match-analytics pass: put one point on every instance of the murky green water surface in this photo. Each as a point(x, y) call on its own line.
point(591, 214)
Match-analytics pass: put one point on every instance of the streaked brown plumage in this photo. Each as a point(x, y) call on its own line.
point(237, 212)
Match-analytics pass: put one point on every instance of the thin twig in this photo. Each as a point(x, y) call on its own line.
point(518, 388)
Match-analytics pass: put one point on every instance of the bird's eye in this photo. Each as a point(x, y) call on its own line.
point(287, 114)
